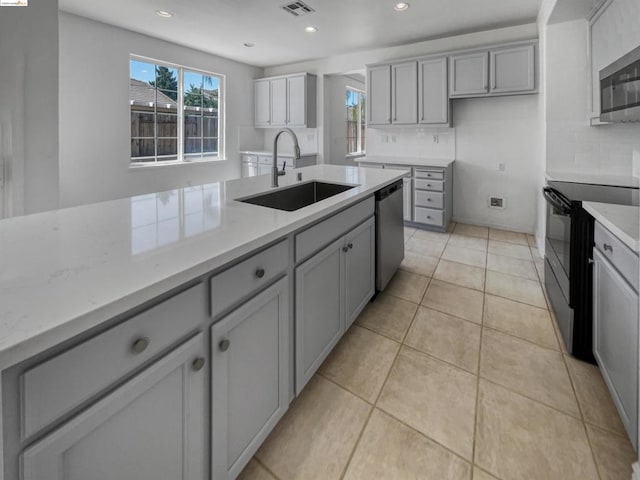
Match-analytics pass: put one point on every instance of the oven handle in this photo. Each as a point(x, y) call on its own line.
point(556, 201)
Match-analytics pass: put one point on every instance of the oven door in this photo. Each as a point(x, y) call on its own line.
point(559, 228)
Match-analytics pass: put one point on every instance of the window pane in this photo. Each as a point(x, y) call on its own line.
point(167, 99)
point(192, 80)
point(210, 145)
point(142, 124)
point(192, 145)
point(142, 147)
point(166, 78)
point(210, 127)
point(193, 99)
point(141, 95)
point(142, 71)
point(167, 125)
point(192, 126)
point(167, 146)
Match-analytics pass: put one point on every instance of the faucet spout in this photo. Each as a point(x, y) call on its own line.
point(275, 173)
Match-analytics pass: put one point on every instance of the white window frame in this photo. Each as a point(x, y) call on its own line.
point(361, 121)
point(135, 162)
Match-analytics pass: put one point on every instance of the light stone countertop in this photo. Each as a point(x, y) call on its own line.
point(594, 178)
point(66, 271)
point(621, 220)
point(421, 162)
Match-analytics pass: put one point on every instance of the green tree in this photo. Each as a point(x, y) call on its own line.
point(197, 96)
point(166, 80)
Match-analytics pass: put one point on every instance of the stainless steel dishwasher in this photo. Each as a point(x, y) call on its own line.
point(389, 233)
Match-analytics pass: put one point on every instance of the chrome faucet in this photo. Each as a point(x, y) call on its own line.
point(296, 151)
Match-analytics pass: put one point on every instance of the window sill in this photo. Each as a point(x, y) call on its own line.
point(355, 155)
point(178, 163)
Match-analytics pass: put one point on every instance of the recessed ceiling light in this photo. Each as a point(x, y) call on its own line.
point(310, 29)
point(400, 7)
point(249, 44)
point(164, 14)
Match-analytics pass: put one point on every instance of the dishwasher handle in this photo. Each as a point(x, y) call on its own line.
point(388, 190)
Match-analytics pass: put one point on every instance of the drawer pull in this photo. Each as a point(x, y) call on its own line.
point(140, 345)
point(345, 249)
point(260, 272)
point(224, 345)
point(429, 217)
point(428, 199)
point(197, 364)
point(606, 247)
point(350, 245)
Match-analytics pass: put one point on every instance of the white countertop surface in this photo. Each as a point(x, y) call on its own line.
point(621, 220)
point(66, 271)
point(422, 162)
point(594, 178)
point(267, 153)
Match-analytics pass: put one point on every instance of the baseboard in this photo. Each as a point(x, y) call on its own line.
point(511, 228)
point(636, 471)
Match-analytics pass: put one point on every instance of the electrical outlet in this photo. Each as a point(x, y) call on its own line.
point(497, 202)
point(501, 167)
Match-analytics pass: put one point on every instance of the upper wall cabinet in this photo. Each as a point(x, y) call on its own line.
point(404, 93)
point(379, 95)
point(285, 101)
point(433, 98)
point(469, 74)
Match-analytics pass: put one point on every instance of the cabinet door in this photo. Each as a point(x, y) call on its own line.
point(249, 378)
point(469, 74)
point(154, 426)
point(379, 95)
point(278, 102)
point(512, 69)
point(433, 94)
point(359, 269)
point(404, 87)
point(262, 94)
point(319, 309)
point(407, 194)
point(264, 169)
point(297, 101)
point(615, 339)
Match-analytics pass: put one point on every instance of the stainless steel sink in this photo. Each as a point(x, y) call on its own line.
point(298, 196)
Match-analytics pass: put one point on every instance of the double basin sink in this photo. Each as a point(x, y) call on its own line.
point(299, 196)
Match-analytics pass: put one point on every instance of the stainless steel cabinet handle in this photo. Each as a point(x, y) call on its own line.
point(606, 247)
point(350, 245)
point(428, 199)
point(345, 249)
point(224, 345)
point(260, 272)
point(197, 364)
point(140, 345)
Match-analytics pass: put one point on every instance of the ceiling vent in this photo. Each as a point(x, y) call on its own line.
point(298, 8)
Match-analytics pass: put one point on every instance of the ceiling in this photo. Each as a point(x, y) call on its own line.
point(223, 26)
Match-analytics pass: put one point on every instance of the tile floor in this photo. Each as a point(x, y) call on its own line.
point(454, 372)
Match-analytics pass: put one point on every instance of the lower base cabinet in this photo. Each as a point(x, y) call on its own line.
point(250, 378)
point(148, 429)
point(360, 260)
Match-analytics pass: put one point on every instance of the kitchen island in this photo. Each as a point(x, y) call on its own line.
point(117, 317)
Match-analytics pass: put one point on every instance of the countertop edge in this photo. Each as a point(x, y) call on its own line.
point(593, 209)
point(422, 162)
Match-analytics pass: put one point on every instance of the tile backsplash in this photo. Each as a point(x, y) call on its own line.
point(423, 142)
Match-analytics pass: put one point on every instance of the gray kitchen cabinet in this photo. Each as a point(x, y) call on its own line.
point(359, 269)
point(379, 95)
point(433, 93)
point(297, 99)
point(404, 93)
point(512, 69)
point(278, 88)
point(262, 103)
point(249, 378)
point(151, 427)
point(615, 325)
point(469, 74)
point(287, 100)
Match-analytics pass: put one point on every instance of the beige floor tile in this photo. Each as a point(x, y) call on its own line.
point(455, 300)
point(449, 338)
point(361, 362)
point(408, 232)
point(317, 435)
point(460, 274)
point(507, 236)
point(419, 264)
point(471, 230)
point(475, 258)
point(431, 236)
point(512, 266)
point(255, 471)
point(614, 454)
point(517, 438)
point(464, 241)
point(407, 286)
point(388, 315)
point(429, 248)
point(524, 321)
point(507, 249)
point(432, 397)
point(482, 475)
point(535, 253)
point(515, 288)
point(527, 369)
point(389, 450)
point(531, 240)
point(593, 396)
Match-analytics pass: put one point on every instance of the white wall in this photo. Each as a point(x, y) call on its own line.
point(94, 113)
point(336, 90)
point(29, 106)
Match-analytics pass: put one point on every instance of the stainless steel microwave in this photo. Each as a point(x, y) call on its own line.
point(620, 89)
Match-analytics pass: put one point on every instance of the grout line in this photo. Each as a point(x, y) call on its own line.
point(475, 417)
point(438, 359)
point(343, 387)
point(509, 334)
point(257, 460)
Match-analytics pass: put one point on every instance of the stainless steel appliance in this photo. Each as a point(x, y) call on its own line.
point(620, 89)
point(568, 252)
point(389, 233)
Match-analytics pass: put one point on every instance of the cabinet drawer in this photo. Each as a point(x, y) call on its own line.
point(434, 185)
point(243, 279)
point(323, 233)
point(62, 383)
point(429, 199)
point(265, 160)
point(621, 256)
point(428, 216)
point(429, 174)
